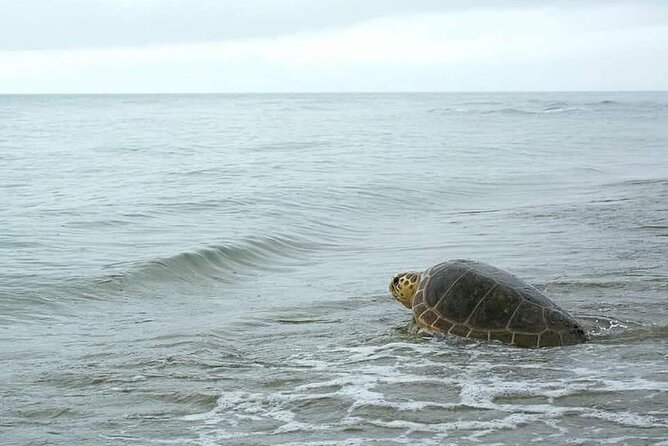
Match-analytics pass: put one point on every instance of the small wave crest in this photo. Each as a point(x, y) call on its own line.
point(500, 108)
point(222, 263)
point(547, 109)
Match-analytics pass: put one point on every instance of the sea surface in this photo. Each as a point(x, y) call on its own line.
point(213, 269)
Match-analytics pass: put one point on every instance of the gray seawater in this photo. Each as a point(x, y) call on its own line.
point(213, 269)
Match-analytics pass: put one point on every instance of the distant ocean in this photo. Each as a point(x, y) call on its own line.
point(213, 269)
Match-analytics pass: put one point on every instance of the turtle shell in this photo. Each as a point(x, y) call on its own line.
point(476, 300)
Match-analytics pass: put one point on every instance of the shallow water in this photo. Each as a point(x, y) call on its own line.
point(212, 269)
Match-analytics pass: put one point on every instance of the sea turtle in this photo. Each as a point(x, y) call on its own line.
point(476, 300)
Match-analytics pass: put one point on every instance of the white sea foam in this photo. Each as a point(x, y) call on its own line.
point(238, 408)
point(345, 442)
point(364, 387)
point(625, 418)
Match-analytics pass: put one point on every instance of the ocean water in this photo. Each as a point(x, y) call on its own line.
point(213, 269)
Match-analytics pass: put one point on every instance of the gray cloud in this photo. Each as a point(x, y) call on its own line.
point(67, 24)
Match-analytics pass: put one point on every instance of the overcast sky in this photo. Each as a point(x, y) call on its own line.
point(135, 46)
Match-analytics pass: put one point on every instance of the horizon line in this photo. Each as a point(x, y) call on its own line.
point(183, 93)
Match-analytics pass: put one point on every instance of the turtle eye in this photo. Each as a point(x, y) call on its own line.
point(395, 282)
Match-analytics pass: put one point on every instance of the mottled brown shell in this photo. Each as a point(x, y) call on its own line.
point(479, 301)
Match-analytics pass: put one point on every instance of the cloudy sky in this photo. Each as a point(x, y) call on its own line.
point(135, 46)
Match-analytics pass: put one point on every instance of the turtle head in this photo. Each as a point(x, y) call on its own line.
point(403, 287)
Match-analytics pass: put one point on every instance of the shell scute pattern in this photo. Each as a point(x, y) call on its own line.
point(459, 330)
point(454, 281)
point(504, 336)
point(528, 318)
point(429, 317)
point(479, 301)
point(476, 334)
point(526, 340)
point(442, 325)
point(550, 337)
point(496, 310)
point(557, 319)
